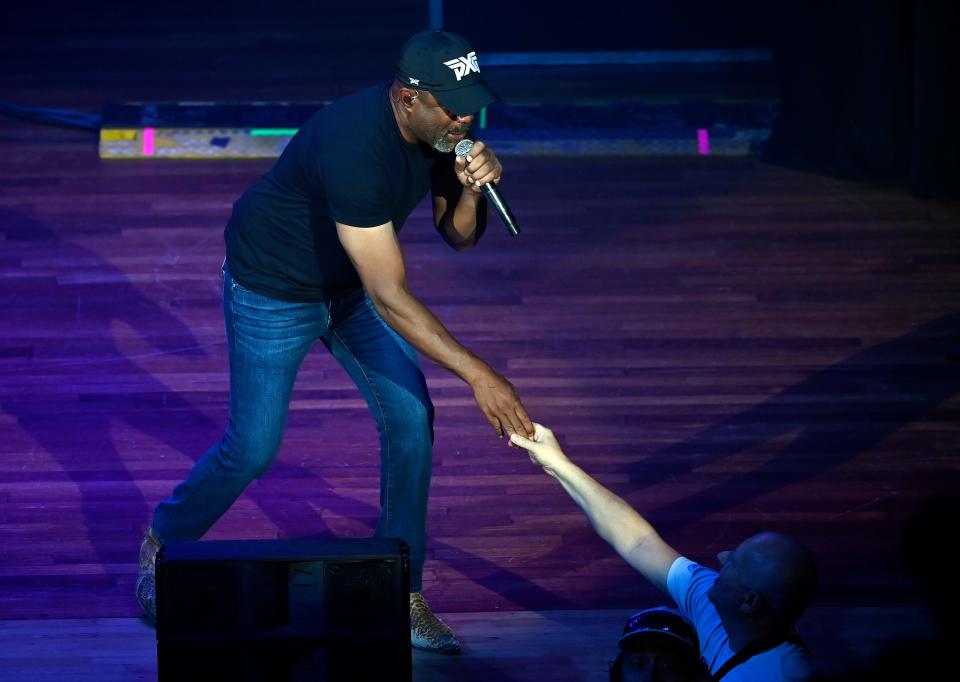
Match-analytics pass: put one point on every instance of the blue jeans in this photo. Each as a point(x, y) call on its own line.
point(268, 339)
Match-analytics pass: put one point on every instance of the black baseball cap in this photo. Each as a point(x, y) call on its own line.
point(660, 621)
point(445, 65)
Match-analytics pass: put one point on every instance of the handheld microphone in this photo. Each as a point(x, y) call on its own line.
point(491, 192)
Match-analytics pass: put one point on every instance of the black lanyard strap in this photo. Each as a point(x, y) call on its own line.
point(754, 649)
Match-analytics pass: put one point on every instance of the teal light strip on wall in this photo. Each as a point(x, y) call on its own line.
point(263, 132)
point(483, 118)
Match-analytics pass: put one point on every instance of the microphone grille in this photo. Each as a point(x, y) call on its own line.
point(463, 147)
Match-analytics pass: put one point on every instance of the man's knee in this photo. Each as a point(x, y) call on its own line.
point(249, 455)
point(418, 418)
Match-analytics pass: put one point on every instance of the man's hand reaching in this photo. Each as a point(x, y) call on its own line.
point(498, 400)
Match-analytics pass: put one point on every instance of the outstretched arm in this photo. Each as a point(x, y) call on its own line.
point(376, 255)
point(615, 521)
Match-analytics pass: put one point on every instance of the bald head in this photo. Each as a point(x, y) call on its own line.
point(782, 570)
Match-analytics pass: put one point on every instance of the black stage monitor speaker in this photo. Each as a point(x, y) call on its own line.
point(281, 610)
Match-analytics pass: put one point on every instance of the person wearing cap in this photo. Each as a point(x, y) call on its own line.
point(658, 645)
point(743, 615)
point(312, 253)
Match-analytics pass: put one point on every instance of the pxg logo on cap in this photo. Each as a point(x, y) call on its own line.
point(445, 65)
point(463, 65)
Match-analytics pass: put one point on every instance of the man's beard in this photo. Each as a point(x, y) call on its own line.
point(443, 145)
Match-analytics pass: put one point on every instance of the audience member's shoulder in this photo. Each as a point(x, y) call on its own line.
point(796, 663)
point(685, 570)
point(681, 563)
point(785, 663)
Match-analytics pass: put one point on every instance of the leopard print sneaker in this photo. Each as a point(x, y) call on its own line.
point(146, 589)
point(427, 632)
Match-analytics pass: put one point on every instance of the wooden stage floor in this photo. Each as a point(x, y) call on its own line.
point(730, 345)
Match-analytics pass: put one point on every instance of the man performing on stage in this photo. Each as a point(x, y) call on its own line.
point(312, 253)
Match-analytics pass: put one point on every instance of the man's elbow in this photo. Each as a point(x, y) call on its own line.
point(454, 239)
point(388, 299)
point(652, 557)
point(462, 246)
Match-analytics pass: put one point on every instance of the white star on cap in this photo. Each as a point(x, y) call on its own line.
point(414, 81)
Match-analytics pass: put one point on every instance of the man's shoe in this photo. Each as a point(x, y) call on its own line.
point(146, 589)
point(428, 632)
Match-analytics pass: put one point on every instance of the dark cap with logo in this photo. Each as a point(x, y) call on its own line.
point(658, 622)
point(444, 64)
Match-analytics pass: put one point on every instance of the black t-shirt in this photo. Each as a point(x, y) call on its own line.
point(349, 164)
